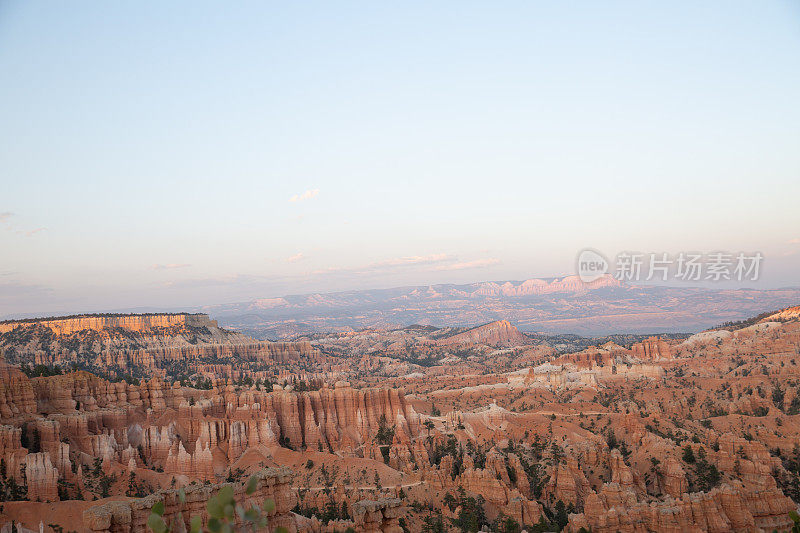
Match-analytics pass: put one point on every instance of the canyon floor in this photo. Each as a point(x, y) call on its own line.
point(419, 428)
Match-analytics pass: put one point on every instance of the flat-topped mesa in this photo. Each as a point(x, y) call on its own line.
point(139, 323)
point(139, 344)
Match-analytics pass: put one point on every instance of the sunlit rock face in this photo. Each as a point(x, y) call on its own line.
point(499, 333)
point(163, 345)
point(99, 323)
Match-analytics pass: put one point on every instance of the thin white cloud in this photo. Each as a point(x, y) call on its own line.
point(411, 260)
point(32, 232)
point(478, 263)
point(253, 282)
point(308, 195)
point(170, 266)
point(388, 264)
point(5, 221)
point(793, 241)
point(12, 289)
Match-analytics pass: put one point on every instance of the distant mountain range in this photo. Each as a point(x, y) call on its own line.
point(552, 306)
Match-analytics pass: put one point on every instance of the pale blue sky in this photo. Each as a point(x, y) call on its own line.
point(477, 140)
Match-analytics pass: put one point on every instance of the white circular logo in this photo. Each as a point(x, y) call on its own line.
point(591, 265)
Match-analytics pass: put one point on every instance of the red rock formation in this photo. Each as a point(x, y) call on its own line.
point(652, 349)
point(199, 464)
point(42, 477)
point(338, 418)
point(622, 475)
point(139, 342)
point(491, 483)
point(68, 392)
point(728, 508)
point(131, 516)
point(672, 478)
point(11, 450)
point(499, 333)
point(568, 484)
point(381, 516)
point(155, 441)
point(16, 392)
point(522, 447)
